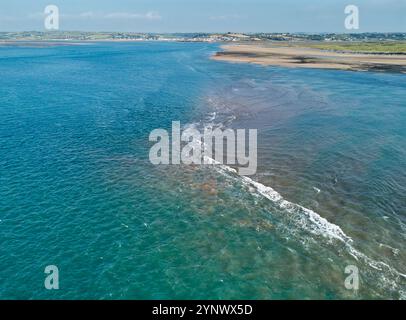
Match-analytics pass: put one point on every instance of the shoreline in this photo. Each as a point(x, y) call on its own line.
point(295, 56)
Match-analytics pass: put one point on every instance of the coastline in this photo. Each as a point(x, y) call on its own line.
point(295, 56)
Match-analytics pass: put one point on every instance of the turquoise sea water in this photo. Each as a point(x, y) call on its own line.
point(77, 189)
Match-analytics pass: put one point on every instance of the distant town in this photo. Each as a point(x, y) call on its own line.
point(195, 37)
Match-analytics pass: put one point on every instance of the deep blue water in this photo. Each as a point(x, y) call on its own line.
point(77, 189)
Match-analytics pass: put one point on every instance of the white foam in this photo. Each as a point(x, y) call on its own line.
point(314, 222)
point(309, 219)
point(318, 224)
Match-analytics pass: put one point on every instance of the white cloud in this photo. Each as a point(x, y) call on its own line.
point(226, 17)
point(88, 14)
point(36, 15)
point(151, 15)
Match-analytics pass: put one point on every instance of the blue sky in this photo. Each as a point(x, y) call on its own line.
point(205, 15)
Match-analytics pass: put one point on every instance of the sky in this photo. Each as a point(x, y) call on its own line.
point(204, 15)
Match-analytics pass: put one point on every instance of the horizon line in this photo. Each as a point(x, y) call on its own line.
point(208, 32)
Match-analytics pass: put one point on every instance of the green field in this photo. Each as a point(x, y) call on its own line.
point(366, 47)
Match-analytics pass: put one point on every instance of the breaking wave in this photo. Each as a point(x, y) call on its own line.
point(304, 218)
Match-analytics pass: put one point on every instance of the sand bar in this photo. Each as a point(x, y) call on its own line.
point(302, 57)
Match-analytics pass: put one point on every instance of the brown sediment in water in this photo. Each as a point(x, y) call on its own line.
point(302, 57)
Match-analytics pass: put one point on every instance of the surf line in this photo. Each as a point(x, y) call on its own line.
point(315, 223)
point(190, 146)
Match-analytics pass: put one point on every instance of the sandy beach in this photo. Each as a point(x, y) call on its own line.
point(287, 55)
